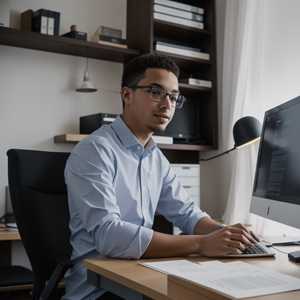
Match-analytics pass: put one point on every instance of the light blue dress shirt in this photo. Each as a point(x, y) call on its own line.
point(115, 186)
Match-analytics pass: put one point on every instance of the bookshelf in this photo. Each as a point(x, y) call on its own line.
point(143, 30)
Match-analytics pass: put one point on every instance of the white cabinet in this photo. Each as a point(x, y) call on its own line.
point(189, 176)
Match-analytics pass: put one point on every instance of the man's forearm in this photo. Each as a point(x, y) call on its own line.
point(207, 225)
point(165, 245)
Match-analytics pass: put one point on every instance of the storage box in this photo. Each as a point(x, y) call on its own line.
point(26, 20)
point(46, 22)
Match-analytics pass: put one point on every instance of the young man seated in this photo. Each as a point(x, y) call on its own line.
point(117, 178)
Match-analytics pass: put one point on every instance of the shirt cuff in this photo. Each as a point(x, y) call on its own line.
point(195, 218)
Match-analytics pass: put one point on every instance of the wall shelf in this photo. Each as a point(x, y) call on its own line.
point(63, 45)
point(73, 138)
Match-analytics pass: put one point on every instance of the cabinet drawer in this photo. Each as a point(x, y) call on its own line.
point(186, 170)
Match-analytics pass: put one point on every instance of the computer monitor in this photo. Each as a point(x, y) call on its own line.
point(276, 191)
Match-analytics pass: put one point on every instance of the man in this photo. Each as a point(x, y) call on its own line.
point(117, 178)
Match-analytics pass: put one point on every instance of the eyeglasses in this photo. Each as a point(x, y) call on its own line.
point(158, 94)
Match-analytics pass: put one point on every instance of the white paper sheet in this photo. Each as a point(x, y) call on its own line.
point(235, 279)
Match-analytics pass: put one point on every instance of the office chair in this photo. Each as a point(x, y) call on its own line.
point(39, 200)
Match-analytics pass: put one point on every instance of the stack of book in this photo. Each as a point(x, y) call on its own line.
point(197, 82)
point(109, 36)
point(179, 13)
point(112, 41)
point(176, 48)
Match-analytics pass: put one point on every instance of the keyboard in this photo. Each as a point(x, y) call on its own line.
point(256, 250)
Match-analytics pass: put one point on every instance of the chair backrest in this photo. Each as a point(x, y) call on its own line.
point(39, 200)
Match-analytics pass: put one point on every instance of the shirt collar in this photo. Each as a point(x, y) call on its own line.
point(126, 136)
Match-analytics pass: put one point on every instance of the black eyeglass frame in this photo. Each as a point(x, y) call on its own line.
point(179, 99)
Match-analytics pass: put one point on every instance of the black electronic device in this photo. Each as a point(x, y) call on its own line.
point(185, 125)
point(90, 123)
point(294, 256)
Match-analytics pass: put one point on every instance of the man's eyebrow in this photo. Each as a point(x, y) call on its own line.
point(159, 85)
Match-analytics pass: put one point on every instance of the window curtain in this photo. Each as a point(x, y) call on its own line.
point(240, 87)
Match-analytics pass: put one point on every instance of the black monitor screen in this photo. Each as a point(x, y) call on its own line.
point(278, 165)
point(185, 124)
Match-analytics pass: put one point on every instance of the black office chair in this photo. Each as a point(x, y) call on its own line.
point(39, 200)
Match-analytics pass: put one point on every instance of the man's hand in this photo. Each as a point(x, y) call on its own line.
point(239, 225)
point(228, 240)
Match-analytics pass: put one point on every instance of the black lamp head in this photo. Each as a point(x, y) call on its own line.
point(245, 130)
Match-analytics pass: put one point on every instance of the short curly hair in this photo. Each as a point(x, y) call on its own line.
point(134, 70)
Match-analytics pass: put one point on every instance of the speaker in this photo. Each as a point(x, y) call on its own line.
point(88, 124)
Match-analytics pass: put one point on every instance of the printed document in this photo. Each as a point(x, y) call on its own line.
point(234, 279)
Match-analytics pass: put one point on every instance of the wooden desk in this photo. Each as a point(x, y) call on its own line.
point(132, 281)
point(6, 236)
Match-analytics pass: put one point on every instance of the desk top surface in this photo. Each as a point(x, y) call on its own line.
point(156, 285)
point(9, 235)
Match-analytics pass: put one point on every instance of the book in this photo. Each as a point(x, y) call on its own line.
point(180, 51)
point(111, 39)
point(177, 44)
point(113, 32)
point(177, 20)
point(178, 13)
point(106, 43)
point(197, 82)
point(179, 5)
point(158, 139)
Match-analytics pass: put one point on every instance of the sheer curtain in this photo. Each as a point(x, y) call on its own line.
point(240, 84)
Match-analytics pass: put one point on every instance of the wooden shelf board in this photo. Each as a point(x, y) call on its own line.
point(69, 138)
point(9, 235)
point(72, 138)
point(63, 45)
point(185, 147)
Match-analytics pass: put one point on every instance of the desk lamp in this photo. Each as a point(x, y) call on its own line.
point(245, 132)
point(87, 85)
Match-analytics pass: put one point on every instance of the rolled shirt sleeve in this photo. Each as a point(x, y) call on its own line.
point(175, 205)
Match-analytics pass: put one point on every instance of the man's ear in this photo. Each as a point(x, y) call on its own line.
point(126, 95)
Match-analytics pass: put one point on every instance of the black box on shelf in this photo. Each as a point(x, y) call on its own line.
point(46, 22)
point(90, 123)
point(75, 34)
point(78, 35)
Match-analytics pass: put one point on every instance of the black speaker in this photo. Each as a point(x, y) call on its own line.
point(90, 123)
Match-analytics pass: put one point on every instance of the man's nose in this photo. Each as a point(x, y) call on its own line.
point(166, 101)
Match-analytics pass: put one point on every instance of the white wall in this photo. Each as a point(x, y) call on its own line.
point(281, 75)
point(37, 97)
point(278, 82)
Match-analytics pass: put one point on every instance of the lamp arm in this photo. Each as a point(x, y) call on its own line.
point(218, 155)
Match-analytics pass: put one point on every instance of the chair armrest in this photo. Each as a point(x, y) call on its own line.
point(55, 278)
